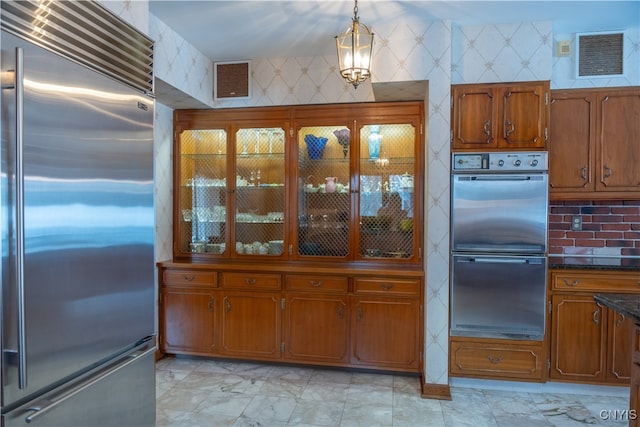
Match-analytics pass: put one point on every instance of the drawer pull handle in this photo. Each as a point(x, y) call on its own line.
point(210, 305)
point(494, 360)
point(250, 281)
point(315, 283)
point(567, 282)
point(619, 319)
point(360, 314)
point(227, 306)
point(596, 312)
point(189, 278)
point(340, 311)
point(387, 286)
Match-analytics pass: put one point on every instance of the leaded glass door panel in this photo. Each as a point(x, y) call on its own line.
point(202, 192)
point(260, 192)
point(324, 196)
point(386, 200)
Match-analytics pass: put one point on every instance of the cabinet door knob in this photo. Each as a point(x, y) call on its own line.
point(494, 360)
point(583, 173)
point(509, 129)
point(567, 282)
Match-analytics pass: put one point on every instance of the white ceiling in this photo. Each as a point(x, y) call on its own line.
point(239, 30)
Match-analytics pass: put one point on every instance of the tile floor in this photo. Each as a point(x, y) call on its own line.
point(216, 393)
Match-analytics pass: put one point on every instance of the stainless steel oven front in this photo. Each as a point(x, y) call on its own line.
point(499, 216)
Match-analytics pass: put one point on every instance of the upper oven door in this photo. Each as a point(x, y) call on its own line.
point(502, 213)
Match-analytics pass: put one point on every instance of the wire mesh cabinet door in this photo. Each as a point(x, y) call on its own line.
point(387, 191)
point(323, 191)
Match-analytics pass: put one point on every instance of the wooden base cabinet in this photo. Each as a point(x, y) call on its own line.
point(589, 343)
point(385, 333)
point(313, 316)
point(316, 328)
point(188, 312)
point(578, 339)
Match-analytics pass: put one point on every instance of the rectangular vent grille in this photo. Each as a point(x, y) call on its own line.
point(85, 32)
point(600, 55)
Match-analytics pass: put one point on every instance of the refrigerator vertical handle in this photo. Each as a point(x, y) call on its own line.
point(22, 353)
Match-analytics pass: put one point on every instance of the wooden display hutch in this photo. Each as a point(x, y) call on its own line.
point(297, 235)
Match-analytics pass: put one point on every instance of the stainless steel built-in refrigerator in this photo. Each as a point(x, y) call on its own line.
point(78, 300)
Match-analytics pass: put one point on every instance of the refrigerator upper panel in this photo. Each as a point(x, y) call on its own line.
point(87, 216)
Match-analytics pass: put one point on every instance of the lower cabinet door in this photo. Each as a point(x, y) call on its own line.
point(251, 324)
point(316, 328)
point(578, 339)
point(620, 348)
point(188, 321)
point(385, 333)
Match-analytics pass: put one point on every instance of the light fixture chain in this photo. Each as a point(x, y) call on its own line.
point(355, 11)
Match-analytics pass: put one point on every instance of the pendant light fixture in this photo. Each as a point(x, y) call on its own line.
point(355, 46)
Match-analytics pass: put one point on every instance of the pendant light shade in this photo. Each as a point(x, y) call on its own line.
point(355, 47)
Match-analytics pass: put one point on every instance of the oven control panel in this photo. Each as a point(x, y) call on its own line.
point(519, 161)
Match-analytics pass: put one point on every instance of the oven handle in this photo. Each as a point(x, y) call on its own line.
point(499, 260)
point(505, 178)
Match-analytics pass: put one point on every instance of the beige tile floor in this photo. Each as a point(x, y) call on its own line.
point(217, 393)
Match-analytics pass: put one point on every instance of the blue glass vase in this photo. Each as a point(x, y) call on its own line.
point(375, 140)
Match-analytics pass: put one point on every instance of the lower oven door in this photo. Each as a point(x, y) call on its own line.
point(498, 296)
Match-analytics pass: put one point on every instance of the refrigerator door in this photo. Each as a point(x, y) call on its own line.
point(87, 219)
point(127, 384)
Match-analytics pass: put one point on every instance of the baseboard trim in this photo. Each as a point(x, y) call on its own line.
point(435, 391)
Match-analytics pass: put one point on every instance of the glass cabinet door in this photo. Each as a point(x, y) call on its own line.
point(386, 198)
point(202, 191)
point(324, 198)
point(260, 192)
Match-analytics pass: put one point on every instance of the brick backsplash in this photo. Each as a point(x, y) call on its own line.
point(609, 228)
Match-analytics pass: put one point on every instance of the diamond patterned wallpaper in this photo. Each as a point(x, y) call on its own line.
point(406, 51)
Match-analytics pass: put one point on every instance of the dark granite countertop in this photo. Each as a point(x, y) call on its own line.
point(627, 304)
point(594, 263)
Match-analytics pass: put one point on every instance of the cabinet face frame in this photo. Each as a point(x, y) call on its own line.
point(291, 119)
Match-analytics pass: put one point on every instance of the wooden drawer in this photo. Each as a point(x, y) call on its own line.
point(190, 277)
point(316, 283)
point(251, 281)
point(605, 282)
point(389, 286)
point(496, 361)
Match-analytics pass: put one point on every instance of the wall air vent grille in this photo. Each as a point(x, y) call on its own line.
point(600, 54)
point(87, 33)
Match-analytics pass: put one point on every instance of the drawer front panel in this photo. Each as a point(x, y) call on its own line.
point(495, 361)
point(596, 282)
point(189, 277)
point(316, 283)
point(391, 286)
point(247, 281)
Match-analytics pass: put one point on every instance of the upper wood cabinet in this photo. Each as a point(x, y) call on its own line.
point(500, 116)
point(593, 147)
point(332, 183)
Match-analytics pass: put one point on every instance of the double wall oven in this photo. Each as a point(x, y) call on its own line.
point(498, 263)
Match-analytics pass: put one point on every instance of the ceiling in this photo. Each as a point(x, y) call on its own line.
point(241, 30)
